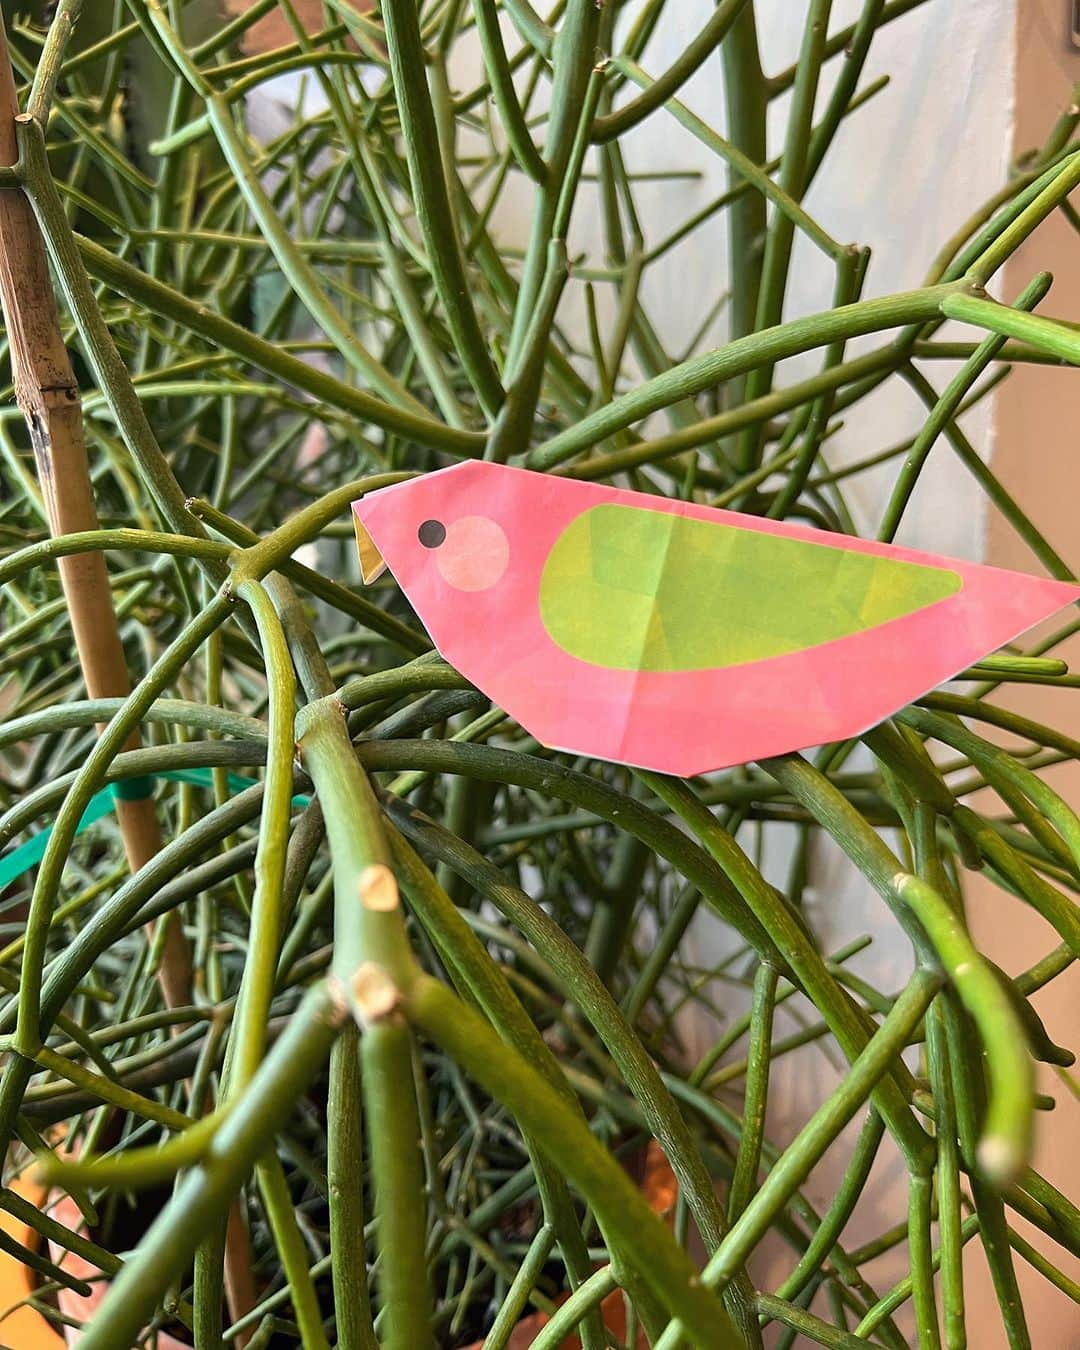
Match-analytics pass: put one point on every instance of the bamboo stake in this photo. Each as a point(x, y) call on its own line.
point(48, 395)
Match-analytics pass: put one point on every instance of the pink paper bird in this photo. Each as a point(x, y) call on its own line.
point(677, 637)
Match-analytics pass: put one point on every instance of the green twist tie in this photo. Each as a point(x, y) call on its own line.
point(133, 789)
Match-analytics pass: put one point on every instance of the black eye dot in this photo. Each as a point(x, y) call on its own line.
point(431, 533)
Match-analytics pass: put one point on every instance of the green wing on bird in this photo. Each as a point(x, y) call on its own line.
point(635, 589)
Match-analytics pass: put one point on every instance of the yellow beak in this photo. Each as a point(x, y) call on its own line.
point(372, 564)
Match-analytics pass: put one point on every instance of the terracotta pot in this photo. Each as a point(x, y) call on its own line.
point(22, 1326)
point(25, 1328)
point(78, 1306)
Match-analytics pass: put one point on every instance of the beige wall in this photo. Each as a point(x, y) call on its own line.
point(1037, 455)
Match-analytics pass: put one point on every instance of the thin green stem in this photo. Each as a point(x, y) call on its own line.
point(291, 1249)
point(748, 1159)
point(690, 59)
point(205, 1193)
point(400, 1209)
point(1049, 335)
point(433, 210)
point(248, 1041)
point(585, 1299)
point(945, 408)
point(744, 354)
point(502, 86)
point(517, 1296)
point(847, 1198)
point(344, 1146)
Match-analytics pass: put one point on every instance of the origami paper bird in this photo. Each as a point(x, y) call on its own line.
point(672, 636)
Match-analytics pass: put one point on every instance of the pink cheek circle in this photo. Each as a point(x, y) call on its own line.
point(474, 555)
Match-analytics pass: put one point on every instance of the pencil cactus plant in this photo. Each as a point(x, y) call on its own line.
point(343, 1027)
